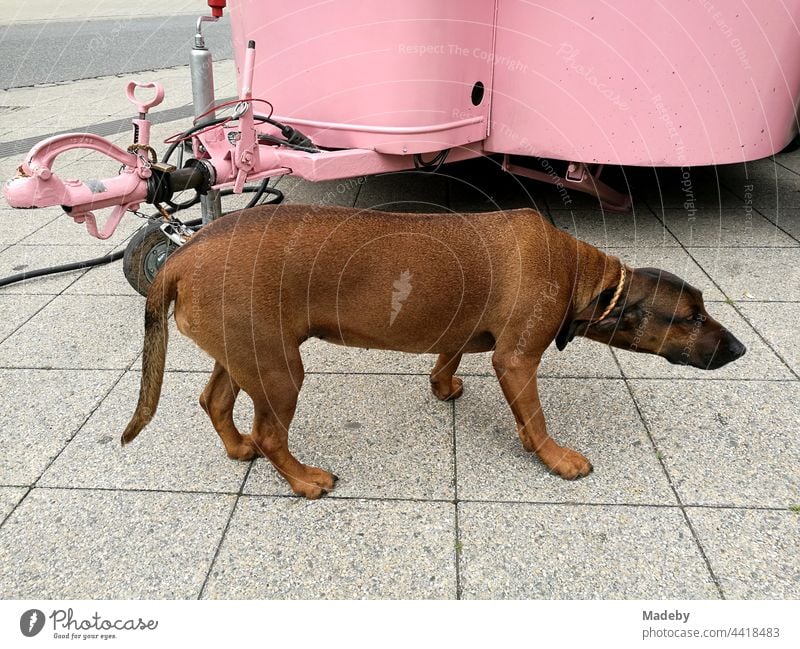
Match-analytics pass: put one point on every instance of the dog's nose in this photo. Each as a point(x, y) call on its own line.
point(737, 349)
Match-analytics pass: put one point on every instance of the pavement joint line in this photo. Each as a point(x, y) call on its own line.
point(104, 129)
point(660, 458)
point(548, 377)
point(732, 247)
point(53, 84)
point(225, 529)
point(457, 546)
point(734, 304)
point(400, 499)
point(30, 234)
point(33, 315)
point(736, 193)
point(14, 508)
point(102, 399)
point(67, 443)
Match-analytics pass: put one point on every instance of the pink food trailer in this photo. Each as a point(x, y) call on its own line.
point(331, 90)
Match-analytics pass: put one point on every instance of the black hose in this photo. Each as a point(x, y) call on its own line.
point(77, 265)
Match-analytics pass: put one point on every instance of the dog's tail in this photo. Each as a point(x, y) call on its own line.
point(161, 294)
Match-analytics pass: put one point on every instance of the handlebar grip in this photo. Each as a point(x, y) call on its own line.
point(144, 106)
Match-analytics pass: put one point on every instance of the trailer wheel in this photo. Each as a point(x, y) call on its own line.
point(146, 253)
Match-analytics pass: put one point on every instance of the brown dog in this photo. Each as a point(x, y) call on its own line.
point(252, 286)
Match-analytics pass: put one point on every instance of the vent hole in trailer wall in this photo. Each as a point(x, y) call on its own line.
point(477, 93)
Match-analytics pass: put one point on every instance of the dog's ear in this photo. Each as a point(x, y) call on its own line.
point(567, 332)
point(580, 323)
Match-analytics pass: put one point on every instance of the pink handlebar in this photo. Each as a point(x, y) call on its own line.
point(144, 106)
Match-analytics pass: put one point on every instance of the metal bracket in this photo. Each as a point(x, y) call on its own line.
point(582, 177)
point(176, 232)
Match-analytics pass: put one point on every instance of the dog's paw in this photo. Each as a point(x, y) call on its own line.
point(456, 389)
point(245, 450)
point(569, 464)
point(313, 484)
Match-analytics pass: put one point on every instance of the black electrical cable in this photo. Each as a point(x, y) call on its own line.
point(302, 143)
point(434, 165)
point(97, 261)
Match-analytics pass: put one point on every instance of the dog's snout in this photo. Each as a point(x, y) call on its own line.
point(737, 349)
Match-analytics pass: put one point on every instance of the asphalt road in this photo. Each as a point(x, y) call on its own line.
point(65, 51)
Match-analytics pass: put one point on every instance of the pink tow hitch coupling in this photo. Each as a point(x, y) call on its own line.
point(37, 184)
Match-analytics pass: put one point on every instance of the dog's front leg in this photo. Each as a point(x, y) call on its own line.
point(274, 393)
point(517, 375)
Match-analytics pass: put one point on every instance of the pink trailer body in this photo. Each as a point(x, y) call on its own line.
point(646, 83)
point(629, 82)
point(382, 87)
point(382, 76)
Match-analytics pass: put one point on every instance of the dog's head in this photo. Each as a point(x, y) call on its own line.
point(657, 313)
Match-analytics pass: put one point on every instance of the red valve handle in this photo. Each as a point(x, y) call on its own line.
point(216, 7)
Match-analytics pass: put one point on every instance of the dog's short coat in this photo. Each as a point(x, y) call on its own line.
point(252, 286)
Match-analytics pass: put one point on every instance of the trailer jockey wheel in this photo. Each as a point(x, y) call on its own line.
point(146, 253)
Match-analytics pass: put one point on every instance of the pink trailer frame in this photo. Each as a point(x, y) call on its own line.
point(382, 86)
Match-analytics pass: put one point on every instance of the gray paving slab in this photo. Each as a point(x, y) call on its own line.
point(753, 553)
point(41, 410)
point(725, 228)
point(706, 188)
point(78, 331)
point(63, 231)
point(770, 187)
point(384, 436)
point(604, 229)
point(406, 191)
point(525, 551)
point(336, 549)
point(18, 224)
point(21, 258)
point(777, 323)
point(107, 279)
point(760, 362)
point(753, 273)
point(790, 160)
point(787, 219)
point(726, 442)
point(596, 417)
point(674, 260)
point(178, 451)
point(75, 544)
point(17, 309)
point(9, 497)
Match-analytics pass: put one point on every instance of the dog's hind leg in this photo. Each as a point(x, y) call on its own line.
point(444, 385)
point(517, 376)
point(217, 400)
point(274, 392)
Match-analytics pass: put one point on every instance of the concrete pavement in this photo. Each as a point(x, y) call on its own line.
point(696, 473)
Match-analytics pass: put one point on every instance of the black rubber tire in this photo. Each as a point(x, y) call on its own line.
point(146, 252)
